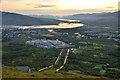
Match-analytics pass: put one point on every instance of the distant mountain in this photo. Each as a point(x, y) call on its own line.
point(46, 16)
point(18, 19)
point(104, 19)
point(95, 19)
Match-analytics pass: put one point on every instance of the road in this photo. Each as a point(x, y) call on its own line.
point(64, 60)
point(59, 57)
point(55, 61)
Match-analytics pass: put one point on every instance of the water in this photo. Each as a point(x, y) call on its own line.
point(61, 25)
point(23, 68)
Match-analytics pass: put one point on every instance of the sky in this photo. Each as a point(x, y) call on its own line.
point(59, 7)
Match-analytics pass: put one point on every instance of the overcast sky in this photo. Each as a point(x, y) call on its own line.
point(59, 7)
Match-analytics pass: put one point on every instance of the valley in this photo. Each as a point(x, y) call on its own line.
point(95, 53)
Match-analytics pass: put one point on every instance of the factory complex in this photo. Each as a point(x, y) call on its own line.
point(44, 43)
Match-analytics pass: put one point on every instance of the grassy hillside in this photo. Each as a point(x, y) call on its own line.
point(18, 19)
point(10, 72)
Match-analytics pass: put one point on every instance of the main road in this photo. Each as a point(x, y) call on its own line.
point(55, 61)
point(64, 60)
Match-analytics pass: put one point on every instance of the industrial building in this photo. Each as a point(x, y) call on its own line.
point(50, 44)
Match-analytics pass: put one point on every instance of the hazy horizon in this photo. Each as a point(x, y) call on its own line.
point(59, 7)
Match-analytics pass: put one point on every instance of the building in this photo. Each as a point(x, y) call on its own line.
point(49, 44)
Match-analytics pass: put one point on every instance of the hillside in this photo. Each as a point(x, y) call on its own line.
point(10, 72)
point(97, 19)
point(18, 19)
point(46, 16)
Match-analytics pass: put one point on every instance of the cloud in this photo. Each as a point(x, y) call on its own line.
point(27, 4)
point(29, 0)
point(110, 7)
point(45, 6)
point(13, 0)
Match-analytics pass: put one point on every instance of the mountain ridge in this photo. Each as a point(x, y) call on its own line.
point(19, 19)
point(97, 19)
